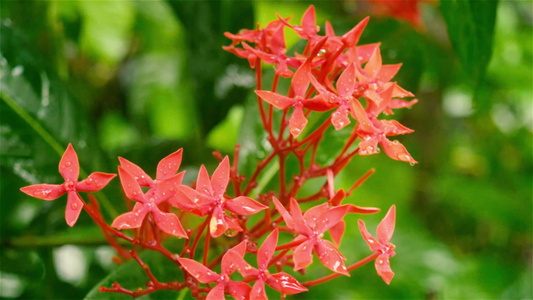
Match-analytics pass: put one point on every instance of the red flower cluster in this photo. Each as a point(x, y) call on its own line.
point(333, 74)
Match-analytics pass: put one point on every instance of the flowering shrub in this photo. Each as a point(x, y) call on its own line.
point(333, 77)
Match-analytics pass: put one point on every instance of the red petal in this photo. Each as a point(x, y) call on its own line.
point(277, 100)
point(299, 223)
point(234, 257)
point(217, 292)
point(138, 174)
point(283, 212)
point(191, 200)
point(364, 52)
point(285, 283)
point(372, 243)
point(220, 178)
point(168, 222)
point(309, 22)
point(303, 255)
point(339, 118)
point(198, 271)
point(362, 210)
point(396, 150)
point(387, 72)
point(132, 219)
point(266, 251)
point(399, 103)
point(383, 268)
point(168, 187)
point(324, 93)
point(44, 191)
point(69, 167)
point(337, 198)
point(331, 257)
point(297, 121)
point(238, 290)
point(368, 145)
point(74, 207)
point(346, 82)
point(228, 265)
point(169, 165)
point(130, 185)
point(300, 80)
point(95, 182)
point(386, 226)
point(336, 232)
point(312, 215)
point(203, 183)
point(329, 30)
point(393, 127)
point(258, 291)
point(330, 178)
point(351, 38)
point(277, 42)
point(359, 113)
point(331, 218)
point(244, 206)
point(373, 66)
point(218, 224)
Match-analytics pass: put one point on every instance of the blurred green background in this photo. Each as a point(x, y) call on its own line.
point(140, 79)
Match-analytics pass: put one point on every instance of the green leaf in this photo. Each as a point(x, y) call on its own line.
point(471, 28)
point(39, 118)
point(131, 276)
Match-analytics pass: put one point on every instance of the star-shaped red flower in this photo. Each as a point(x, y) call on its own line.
point(382, 245)
point(69, 168)
point(208, 198)
point(311, 226)
point(161, 191)
point(239, 290)
point(282, 282)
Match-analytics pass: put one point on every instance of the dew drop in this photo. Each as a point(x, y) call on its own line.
point(404, 157)
point(68, 163)
point(89, 180)
point(74, 205)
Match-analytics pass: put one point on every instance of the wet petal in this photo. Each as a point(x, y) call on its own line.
point(198, 271)
point(396, 150)
point(383, 268)
point(299, 222)
point(339, 118)
point(328, 96)
point(138, 174)
point(266, 251)
point(44, 191)
point(239, 290)
point(234, 257)
point(258, 291)
point(169, 223)
point(169, 165)
point(203, 183)
point(131, 187)
point(95, 182)
point(74, 207)
point(69, 167)
point(368, 145)
point(297, 121)
point(312, 215)
point(372, 242)
point(387, 72)
point(331, 218)
point(386, 226)
point(244, 206)
point(220, 178)
point(217, 292)
point(218, 224)
point(346, 82)
point(132, 219)
point(168, 187)
point(359, 113)
point(285, 283)
point(331, 257)
point(228, 264)
point(303, 255)
point(186, 198)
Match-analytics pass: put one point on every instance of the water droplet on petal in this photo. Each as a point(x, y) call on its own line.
point(74, 205)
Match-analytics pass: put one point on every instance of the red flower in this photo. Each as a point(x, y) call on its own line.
point(282, 282)
point(69, 168)
point(208, 198)
point(401, 9)
point(311, 226)
point(299, 85)
point(166, 168)
point(382, 245)
point(239, 290)
point(161, 191)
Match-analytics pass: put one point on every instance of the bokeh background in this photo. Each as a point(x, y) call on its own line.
point(140, 79)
